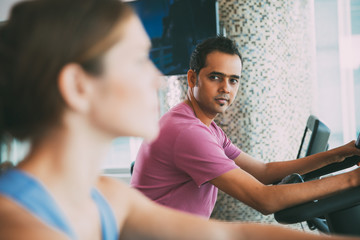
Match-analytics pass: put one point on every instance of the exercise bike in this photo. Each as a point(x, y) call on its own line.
point(338, 213)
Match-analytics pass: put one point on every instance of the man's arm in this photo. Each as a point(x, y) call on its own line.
point(272, 198)
point(268, 173)
point(147, 220)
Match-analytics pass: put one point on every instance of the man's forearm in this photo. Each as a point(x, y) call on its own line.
point(276, 171)
point(283, 196)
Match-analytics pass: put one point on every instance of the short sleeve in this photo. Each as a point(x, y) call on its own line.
point(198, 153)
point(230, 149)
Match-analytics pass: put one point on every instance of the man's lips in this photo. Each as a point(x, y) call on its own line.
point(222, 100)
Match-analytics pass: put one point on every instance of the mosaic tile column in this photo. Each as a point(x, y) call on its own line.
point(274, 99)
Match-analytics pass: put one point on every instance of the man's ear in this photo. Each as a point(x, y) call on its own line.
point(191, 78)
point(74, 86)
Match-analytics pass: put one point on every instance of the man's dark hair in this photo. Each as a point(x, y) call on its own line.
point(218, 43)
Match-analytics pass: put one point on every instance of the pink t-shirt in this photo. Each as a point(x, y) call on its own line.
point(175, 169)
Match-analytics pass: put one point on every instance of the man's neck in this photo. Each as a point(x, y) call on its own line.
point(199, 113)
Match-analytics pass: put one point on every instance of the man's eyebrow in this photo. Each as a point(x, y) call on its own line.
point(224, 75)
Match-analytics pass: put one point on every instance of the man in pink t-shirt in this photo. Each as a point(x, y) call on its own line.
point(180, 163)
point(192, 157)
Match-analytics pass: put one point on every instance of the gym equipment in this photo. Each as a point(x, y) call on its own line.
point(338, 213)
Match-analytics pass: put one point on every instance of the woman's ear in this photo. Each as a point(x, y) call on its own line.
point(74, 86)
point(191, 78)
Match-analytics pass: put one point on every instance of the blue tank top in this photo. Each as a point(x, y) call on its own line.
point(32, 195)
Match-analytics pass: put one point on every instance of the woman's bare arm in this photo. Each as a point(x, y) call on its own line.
point(141, 218)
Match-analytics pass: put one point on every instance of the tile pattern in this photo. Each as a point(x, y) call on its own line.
point(274, 99)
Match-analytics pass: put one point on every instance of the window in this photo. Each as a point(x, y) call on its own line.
point(355, 30)
point(13, 151)
point(337, 27)
point(122, 153)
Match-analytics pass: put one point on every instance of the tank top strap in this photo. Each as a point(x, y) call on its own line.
point(108, 220)
point(29, 193)
point(33, 196)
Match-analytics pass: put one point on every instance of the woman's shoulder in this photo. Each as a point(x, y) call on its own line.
point(112, 188)
point(123, 199)
point(18, 223)
point(118, 194)
point(117, 191)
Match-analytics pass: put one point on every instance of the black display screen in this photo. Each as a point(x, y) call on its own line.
point(175, 28)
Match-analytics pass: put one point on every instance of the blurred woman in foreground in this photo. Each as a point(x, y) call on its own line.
point(73, 76)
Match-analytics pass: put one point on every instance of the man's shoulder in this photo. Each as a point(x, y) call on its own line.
point(180, 116)
point(180, 122)
point(180, 110)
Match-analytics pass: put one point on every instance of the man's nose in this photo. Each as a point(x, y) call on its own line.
point(225, 86)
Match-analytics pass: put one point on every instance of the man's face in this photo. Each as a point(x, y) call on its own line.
point(217, 82)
